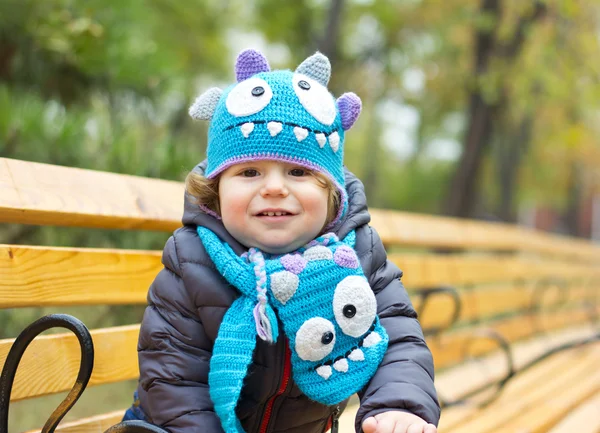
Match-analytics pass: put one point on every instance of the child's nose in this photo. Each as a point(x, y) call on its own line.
point(274, 185)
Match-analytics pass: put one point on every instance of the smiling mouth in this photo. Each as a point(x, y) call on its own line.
point(277, 213)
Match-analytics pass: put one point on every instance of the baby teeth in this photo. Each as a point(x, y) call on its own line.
point(274, 128)
point(356, 355)
point(341, 365)
point(247, 128)
point(324, 371)
point(334, 141)
point(300, 133)
point(372, 339)
point(321, 139)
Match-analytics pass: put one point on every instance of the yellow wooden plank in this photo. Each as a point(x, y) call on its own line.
point(406, 229)
point(35, 193)
point(552, 408)
point(454, 417)
point(580, 376)
point(94, 424)
point(471, 375)
point(433, 270)
point(449, 348)
point(42, 276)
point(583, 419)
point(51, 363)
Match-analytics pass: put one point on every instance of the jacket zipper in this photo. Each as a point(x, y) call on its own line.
point(335, 420)
point(287, 372)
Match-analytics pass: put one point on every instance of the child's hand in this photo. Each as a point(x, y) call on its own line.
point(395, 421)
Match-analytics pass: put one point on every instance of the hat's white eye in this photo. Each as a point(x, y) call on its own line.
point(354, 305)
point(315, 98)
point(249, 97)
point(315, 339)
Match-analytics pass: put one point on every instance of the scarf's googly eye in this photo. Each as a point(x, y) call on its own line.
point(349, 311)
point(315, 339)
point(354, 305)
point(248, 97)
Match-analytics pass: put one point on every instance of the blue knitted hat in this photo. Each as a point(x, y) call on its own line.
point(279, 115)
point(327, 309)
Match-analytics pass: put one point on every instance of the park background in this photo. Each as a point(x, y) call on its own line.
point(486, 109)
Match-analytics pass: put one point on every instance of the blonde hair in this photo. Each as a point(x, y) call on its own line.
point(205, 192)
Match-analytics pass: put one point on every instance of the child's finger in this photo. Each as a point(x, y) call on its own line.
point(430, 428)
point(369, 425)
point(415, 428)
point(387, 425)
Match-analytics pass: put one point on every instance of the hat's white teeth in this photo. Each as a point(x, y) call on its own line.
point(300, 133)
point(334, 141)
point(321, 139)
point(324, 371)
point(274, 128)
point(247, 129)
point(356, 355)
point(372, 339)
point(341, 365)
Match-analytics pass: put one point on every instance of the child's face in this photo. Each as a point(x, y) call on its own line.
point(247, 191)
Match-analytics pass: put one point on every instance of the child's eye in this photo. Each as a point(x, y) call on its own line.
point(250, 172)
point(298, 172)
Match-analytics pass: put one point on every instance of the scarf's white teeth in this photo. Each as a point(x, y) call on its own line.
point(300, 133)
point(321, 139)
point(247, 129)
point(341, 365)
point(334, 141)
point(324, 371)
point(372, 339)
point(356, 355)
point(274, 128)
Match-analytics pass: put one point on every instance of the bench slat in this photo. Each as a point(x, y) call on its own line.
point(520, 393)
point(549, 411)
point(403, 228)
point(36, 193)
point(583, 419)
point(448, 348)
point(116, 355)
point(426, 270)
point(43, 276)
point(51, 363)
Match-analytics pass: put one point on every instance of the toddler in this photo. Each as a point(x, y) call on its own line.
point(277, 302)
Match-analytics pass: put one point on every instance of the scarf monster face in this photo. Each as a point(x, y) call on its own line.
point(329, 314)
point(326, 306)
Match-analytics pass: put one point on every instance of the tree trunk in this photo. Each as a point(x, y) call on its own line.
point(509, 157)
point(463, 191)
point(461, 196)
point(330, 42)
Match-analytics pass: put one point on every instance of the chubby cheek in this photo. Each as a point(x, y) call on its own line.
point(233, 202)
point(315, 205)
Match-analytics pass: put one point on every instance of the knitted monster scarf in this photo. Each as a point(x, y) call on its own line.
point(327, 309)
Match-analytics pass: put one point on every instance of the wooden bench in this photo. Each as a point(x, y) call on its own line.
point(492, 284)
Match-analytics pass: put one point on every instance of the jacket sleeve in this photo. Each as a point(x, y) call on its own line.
point(404, 380)
point(174, 352)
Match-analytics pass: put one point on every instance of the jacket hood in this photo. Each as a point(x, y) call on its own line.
point(357, 214)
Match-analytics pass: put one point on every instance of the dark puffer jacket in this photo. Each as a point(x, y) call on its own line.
point(187, 301)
